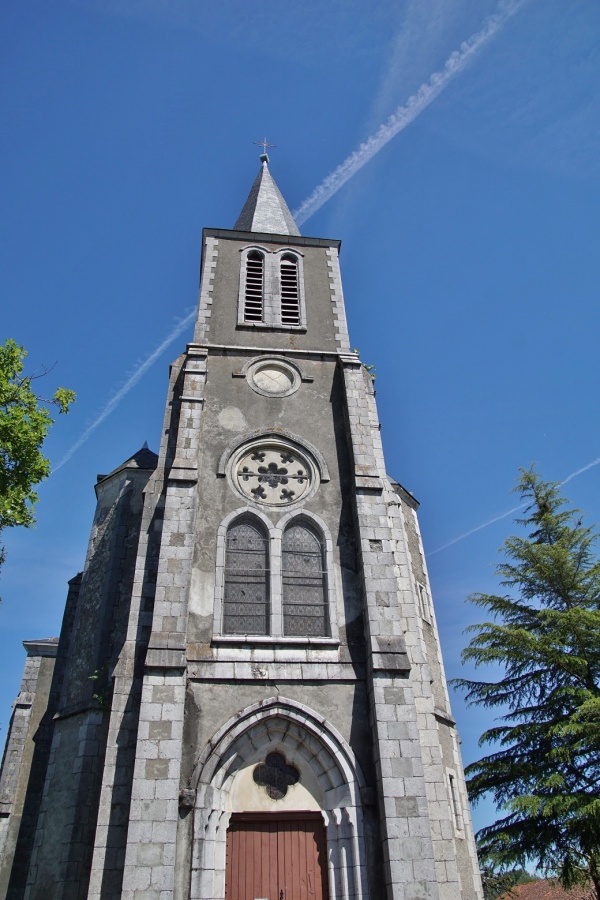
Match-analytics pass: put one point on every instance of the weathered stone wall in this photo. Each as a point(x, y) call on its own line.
point(416, 810)
point(218, 312)
point(42, 737)
point(313, 414)
point(115, 794)
point(28, 710)
point(454, 819)
point(93, 634)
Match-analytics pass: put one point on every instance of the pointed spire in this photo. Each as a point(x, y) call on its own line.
point(265, 209)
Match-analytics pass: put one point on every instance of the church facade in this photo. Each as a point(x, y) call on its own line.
point(247, 700)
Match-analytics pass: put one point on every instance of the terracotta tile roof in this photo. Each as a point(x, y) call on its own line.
point(547, 890)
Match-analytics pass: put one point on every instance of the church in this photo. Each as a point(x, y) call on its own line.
point(247, 700)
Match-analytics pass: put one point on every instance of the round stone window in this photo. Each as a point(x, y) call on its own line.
point(273, 473)
point(273, 378)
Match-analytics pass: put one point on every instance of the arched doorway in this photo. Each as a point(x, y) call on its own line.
point(301, 822)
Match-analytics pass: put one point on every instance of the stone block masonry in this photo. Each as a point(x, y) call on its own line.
point(252, 647)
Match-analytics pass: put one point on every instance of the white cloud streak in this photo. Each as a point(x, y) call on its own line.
point(591, 465)
point(399, 120)
point(477, 528)
point(131, 382)
point(404, 115)
point(504, 515)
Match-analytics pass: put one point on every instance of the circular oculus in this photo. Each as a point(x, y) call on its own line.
point(273, 378)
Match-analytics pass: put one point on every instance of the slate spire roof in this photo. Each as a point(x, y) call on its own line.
point(143, 459)
point(265, 210)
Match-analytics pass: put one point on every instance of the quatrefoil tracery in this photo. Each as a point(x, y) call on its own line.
point(275, 775)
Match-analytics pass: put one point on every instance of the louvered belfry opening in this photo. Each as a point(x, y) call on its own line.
point(290, 298)
point(304, 583)
point(246, 596)
point(255, 287)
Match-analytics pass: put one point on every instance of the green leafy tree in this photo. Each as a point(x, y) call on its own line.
point(543, 641)
point(25, 419)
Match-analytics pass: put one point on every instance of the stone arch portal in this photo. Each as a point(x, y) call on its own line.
point(330, 781)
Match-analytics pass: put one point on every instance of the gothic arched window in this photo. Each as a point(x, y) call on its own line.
point(246, 595)
point(255, 287)
point(304, 582)
point(290, 294)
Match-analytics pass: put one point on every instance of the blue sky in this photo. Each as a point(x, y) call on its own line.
point(470, 244)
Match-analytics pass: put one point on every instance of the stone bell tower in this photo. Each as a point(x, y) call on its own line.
point(276, 721)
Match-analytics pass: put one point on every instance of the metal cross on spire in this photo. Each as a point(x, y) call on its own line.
point(264, 156)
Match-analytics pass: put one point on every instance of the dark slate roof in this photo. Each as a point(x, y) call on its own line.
point(265, 210)
point(397, 487)
point(143, 459)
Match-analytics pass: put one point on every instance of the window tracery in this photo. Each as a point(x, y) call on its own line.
point(304, 582)
point(274, 475)
point(275, 775)
point(246, 579)
point(274, 582)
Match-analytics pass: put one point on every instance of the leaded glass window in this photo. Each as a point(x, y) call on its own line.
point(246, 596)
point(304, 583)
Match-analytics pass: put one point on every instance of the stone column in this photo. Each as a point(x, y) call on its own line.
point(15, 779)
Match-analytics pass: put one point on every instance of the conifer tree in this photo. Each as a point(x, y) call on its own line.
point(544, 638)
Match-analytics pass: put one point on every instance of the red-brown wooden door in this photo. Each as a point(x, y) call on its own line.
point(276, 857)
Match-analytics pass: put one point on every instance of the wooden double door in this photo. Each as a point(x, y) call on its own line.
point(276, 857)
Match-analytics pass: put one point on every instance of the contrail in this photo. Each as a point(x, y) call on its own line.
point(467, 534)
point(591, 465)
point(509, 512)
point(404, 115)
point(129, 384)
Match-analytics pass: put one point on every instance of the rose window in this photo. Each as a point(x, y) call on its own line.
point(274, 475)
